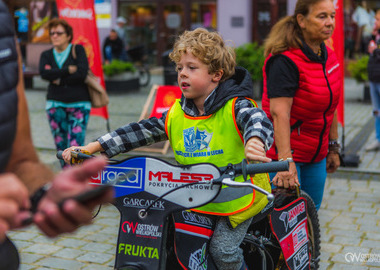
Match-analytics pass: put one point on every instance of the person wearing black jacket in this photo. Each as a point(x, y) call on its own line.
point(68, 101)
point(113, 48)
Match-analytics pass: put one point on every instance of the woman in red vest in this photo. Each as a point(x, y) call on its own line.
point(302, 84)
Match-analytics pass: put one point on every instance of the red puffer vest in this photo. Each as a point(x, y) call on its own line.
point(313, 105)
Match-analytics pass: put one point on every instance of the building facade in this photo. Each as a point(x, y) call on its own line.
point(155, 24)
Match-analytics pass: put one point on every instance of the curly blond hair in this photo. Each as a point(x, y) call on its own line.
point(209, 48)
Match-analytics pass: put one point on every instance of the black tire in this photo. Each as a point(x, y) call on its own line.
point(312, 227)
point(144, 76)
point(313, 230)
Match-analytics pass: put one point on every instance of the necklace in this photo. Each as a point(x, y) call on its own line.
point(319, 53)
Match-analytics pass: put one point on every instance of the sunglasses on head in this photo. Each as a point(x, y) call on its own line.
point(57, 33)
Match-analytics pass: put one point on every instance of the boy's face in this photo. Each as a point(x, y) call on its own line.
point(194, 79)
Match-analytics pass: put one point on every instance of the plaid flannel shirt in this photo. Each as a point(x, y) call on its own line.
point(251, 122)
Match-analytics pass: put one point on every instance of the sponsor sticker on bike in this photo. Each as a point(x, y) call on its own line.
point(161, 177)
point(289, 225)
point(142, 230)
point(193, 232)
point(138, 251)
point(143, 203)
point(198, 259)
point(128, 177)
point(196, 219)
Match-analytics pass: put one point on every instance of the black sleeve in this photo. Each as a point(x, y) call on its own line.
point(105, 44)
point(82, 67)
point(46, 70)
point(282, 76)
point(119, 46)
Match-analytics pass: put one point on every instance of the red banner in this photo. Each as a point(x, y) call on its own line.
point(337, 44)
point(80, 15)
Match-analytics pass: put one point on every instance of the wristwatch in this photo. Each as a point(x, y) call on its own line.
point(334, 146)
point(286, 159)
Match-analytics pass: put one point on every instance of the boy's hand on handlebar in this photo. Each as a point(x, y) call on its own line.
point(91, 148)
point(73, 181)
point(287, 179)
point(67, 152)
point(255, 150)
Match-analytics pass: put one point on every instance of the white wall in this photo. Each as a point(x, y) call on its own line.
point(104, 32)
point(291, 6)
point(227, 9)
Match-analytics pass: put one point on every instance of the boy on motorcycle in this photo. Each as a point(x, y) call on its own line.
point(215, 121)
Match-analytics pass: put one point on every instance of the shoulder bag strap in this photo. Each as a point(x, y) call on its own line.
point(73, 52)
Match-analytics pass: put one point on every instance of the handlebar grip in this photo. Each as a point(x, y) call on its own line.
point(59, 154)
point(80, 155)
point(275, 166)
point(77, 155)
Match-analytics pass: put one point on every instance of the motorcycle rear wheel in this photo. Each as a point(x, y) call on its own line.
point(314, 233)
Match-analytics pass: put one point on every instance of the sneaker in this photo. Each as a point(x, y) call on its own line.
point(373, 146)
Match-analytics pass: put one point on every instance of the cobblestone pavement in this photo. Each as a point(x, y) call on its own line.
point(349, 215)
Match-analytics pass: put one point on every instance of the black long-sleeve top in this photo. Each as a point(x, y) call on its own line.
point(71, 87)
point(117, 46)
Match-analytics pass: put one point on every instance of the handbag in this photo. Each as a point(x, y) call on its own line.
point(98, 95)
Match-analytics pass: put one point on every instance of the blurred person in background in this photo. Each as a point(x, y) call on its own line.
point(302, 85)
point(350, 30)
point(113, 48)
point(123, 31)
point(364, 19)
point(374, 80)
point(68, 102)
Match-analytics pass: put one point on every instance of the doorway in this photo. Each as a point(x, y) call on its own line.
point(266, 14)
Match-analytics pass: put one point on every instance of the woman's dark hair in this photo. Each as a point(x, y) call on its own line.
point(286, 33)
point(56, 22)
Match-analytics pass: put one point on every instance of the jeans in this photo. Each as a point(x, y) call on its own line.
point(109, 55)
point(312, 177)
point(374, 88)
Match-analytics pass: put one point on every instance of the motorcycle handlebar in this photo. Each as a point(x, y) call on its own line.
point(74, 154)
point(59, 154)
point(245, 168)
